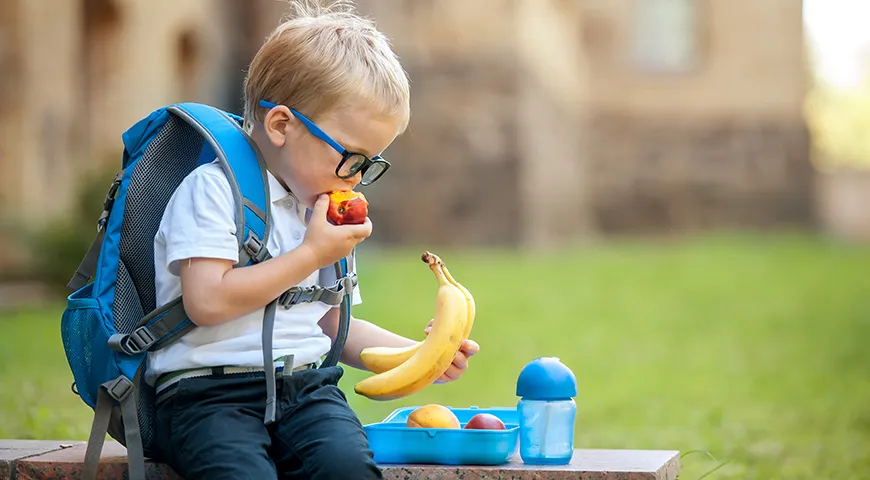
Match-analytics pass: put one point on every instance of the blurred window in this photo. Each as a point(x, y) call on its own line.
point(664, 35)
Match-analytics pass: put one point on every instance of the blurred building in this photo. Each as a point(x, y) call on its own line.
point(533, 121)
point(75, 74)
point(536, 121)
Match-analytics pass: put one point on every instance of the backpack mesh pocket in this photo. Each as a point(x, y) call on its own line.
point(85, 340)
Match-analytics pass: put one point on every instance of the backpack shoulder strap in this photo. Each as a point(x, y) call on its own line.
point(246, 171)
point(347, 277)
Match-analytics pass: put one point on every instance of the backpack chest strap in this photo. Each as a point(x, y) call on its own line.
point(332, 295)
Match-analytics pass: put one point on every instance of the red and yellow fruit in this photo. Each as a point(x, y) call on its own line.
point(485, 421)
point(347, 207)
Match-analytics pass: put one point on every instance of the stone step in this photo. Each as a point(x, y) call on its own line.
point(12, 451)
point(62, 460)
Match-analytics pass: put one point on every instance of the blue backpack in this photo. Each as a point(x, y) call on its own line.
point(111, 321)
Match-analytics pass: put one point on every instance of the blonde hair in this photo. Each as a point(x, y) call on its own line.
point(322, 56)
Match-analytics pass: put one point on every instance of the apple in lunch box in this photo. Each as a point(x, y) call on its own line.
point(347, 207)
point(485, 421)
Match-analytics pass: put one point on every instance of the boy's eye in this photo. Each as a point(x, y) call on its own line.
point(352, 164)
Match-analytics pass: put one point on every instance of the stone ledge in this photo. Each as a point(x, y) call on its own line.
point(12, 451)
point(586, 464)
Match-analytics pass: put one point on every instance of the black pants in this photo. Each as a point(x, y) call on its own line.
point(212, 427)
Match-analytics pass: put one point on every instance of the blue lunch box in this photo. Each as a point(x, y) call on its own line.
point(392, 442)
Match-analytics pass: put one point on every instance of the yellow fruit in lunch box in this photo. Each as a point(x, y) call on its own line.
point(432, 416)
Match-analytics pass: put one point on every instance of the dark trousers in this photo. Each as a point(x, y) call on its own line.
point(212, 427)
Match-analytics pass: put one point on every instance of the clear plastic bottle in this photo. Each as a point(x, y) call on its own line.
point(547, 412)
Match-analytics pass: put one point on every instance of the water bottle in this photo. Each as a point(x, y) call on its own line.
point(547, 410)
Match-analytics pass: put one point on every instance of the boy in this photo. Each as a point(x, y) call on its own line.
point(323, 82)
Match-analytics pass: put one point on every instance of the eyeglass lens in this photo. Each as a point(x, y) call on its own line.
point(354, 162)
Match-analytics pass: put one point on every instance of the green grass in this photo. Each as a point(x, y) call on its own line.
point(751, 348)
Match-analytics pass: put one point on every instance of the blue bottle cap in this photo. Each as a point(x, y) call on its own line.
point(546, 378)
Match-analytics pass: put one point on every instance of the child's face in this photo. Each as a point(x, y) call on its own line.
point(307, 163)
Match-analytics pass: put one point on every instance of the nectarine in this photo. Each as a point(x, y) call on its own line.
point(485, 421)
point(347, 207)
point(432, 416)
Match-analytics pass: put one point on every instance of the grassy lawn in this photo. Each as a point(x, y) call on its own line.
point(753, 349)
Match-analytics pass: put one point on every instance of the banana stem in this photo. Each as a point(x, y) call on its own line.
point(430, 258)
point(437, 267)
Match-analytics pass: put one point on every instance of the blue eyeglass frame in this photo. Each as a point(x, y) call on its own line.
point(345, 153)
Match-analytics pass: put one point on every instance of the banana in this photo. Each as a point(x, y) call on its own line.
point(382, 359)
point(472, 308)
point(434, 355)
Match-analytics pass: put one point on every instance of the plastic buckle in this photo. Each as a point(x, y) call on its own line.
point(110, 196)
point(104, 218)
point(120, 388)
point(295, 295)
point(348, 282)
point(288, 298)
point(139, 340)
point(110, 200)
point(254, 247)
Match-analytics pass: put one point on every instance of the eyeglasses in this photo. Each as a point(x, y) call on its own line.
point(351, 162)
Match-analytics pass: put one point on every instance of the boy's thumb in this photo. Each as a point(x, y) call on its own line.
point(321, 205)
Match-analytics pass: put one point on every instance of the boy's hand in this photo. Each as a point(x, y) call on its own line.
point(460, 361)
point(329, 242)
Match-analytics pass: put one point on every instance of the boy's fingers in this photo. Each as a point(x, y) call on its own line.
point(321, 205)
point(460, 361)
point(361, 231)
point(469, 347)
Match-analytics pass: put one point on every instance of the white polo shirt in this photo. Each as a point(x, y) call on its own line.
point(198, 222)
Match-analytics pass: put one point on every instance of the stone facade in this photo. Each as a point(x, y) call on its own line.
point(534, 122)
point(455, 173)
point(666, 174)
point(77, 73)
point(611, 123)
point(493, 153)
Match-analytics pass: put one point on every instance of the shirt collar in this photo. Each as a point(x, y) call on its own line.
point(277, 192)
point(280, 196)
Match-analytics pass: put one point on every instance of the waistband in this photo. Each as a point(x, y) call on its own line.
point(167, 382)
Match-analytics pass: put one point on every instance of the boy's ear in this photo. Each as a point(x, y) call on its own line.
point(277, 125)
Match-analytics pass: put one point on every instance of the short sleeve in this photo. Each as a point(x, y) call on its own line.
point(199, 219)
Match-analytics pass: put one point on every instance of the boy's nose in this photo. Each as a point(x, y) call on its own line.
point(355, 180)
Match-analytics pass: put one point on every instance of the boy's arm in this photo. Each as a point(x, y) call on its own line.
point(363, 334)
point(214, 292)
